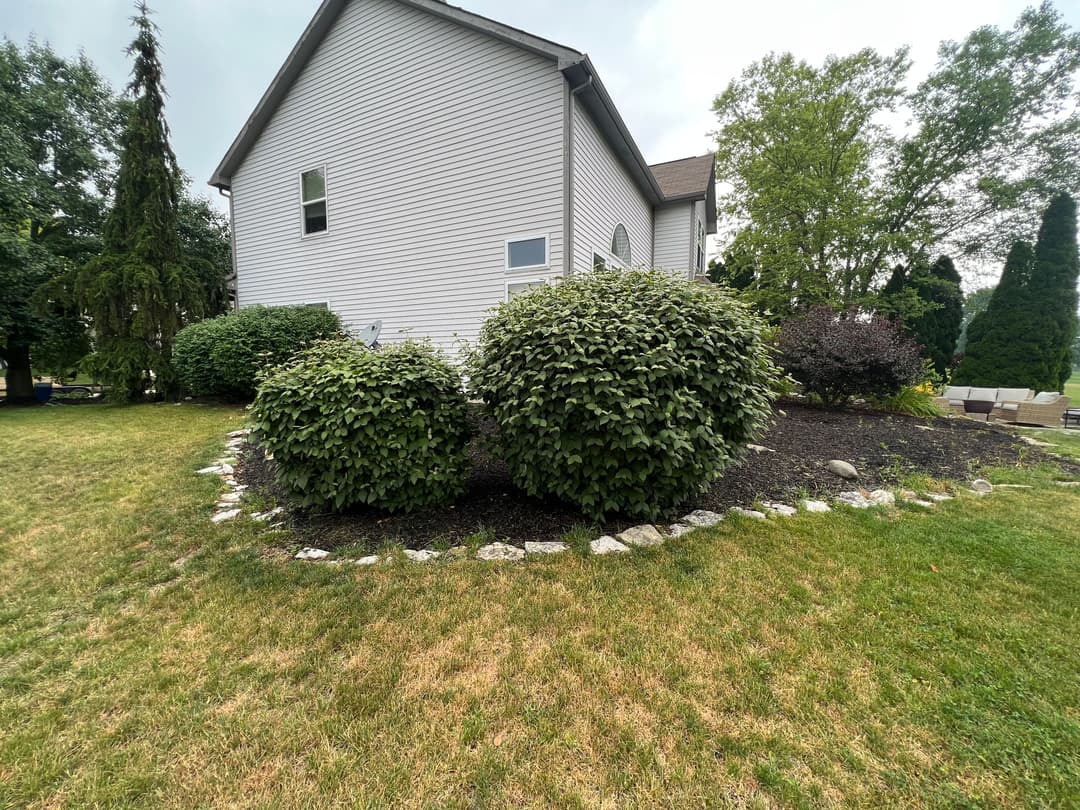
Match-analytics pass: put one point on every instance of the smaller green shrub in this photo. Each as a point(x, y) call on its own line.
point(222, 356)
point(348, 427)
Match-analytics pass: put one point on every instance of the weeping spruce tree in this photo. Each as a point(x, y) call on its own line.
point(140, 290)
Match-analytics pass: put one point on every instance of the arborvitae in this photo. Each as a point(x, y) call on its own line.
point(1054, 286)
point(1004, 344)
point(139, 290)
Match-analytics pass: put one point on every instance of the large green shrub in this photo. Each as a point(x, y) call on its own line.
point(622, 392)
point(222, 356)
point(348, 427)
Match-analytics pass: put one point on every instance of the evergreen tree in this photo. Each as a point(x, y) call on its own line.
point(142, 288)
point(1054, 286)
point(1004, 343)
point(928, 301)
point(938, 329)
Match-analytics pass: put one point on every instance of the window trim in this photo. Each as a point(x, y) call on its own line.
point(325, 200)
point(526, 238)
point(611, 261)
point(325, 302)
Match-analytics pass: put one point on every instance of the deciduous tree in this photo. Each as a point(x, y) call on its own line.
point(823, 198)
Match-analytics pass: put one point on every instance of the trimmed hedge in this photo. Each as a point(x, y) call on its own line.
point(348, 427)
point(622, 392)
point(221, 357)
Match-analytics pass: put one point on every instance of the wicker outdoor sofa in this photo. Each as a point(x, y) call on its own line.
point(1019, 405)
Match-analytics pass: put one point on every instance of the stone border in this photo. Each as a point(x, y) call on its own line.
point(229, 506)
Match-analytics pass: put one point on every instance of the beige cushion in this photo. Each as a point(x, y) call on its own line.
point(983, 394)
point(1046, 397)
point(1010, 406)
point(956, 402)
point(956, 392)
point(1013, 394)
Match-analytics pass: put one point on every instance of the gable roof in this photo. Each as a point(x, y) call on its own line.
point(692, 178)
point(575, 66)
point(688, 177)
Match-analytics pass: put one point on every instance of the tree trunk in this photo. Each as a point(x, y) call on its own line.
point(20, 385)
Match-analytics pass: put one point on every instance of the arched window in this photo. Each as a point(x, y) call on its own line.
point(620, 245)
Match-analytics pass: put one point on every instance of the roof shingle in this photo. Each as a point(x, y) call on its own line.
point(684, 178)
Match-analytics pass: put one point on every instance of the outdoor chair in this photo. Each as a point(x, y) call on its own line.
point(1047, 409)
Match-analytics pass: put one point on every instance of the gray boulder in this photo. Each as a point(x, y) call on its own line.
point(843, 469)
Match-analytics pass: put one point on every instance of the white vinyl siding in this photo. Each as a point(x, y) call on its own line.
point(604, 196)
point(439, 143)
point(674, 240)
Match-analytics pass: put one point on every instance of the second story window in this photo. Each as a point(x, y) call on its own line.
point(313, 201)
point(700, 248)
point(527, 253)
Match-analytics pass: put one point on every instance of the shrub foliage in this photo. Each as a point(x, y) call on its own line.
point(837, 356)
point(222, 356)
point(349, 427)
point(622, 392)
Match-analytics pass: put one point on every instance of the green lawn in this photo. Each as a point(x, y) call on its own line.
point(867, 659)
point(1072, 390)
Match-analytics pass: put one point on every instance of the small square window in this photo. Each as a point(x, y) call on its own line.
point(526, 253)
point(516, 288)
point(313, 201)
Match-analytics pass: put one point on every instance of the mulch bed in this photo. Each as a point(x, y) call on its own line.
point(883, 447)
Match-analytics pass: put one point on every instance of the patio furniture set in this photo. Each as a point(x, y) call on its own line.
point(1020, 406)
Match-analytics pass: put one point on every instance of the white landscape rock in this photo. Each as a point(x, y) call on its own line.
point(500, 551)
point(758, 448)
point(230, 497)
point(534, 548)
point(938, 497)
point(882, 497)
point(780, 509)
point(1068, 483)
point(221, 517)
point(263, 517)
point(421, 555)
point(816, 506)
point(702, 518)
point(242, 432)
point(843, 469)
point(854, 499)
point(748, 513)
point(642, 536)
point(369, 560)
point(921, 502)
point(607, 545)
point(982, 486)
point(215, 470)
point(679, 529)
point(309, 553)
point(227, 469)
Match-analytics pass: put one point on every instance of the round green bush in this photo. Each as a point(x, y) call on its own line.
point(622, 392)
point(221, 357)
point(348, 427)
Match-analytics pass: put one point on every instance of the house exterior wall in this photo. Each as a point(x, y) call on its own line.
point(604, 195)
point(673, 239)
point(431, 164)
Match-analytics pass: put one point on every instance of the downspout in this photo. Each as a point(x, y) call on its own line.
point(568, 174)
point(232, 242)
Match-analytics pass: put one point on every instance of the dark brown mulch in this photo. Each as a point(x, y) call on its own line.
point(884, 448)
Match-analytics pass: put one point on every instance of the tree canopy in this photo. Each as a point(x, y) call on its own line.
point(929, 303)
point(57, 129)
point(824, 198)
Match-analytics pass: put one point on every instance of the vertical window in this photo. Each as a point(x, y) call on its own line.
point(516, 288)
point(527, 253)
point(313, 201)
point(701, 247)
point(620, 245)
point(599, 262)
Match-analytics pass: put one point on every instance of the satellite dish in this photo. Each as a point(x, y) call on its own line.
point(369, 335)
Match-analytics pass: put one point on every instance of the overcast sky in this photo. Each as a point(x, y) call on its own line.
point(663, 61)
